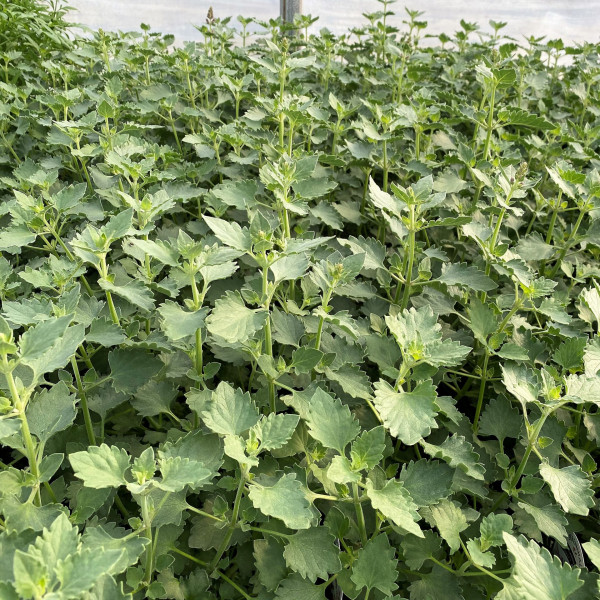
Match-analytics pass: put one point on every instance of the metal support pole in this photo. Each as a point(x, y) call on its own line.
point(289, 9)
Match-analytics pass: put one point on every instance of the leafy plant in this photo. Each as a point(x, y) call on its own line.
point(298, 316)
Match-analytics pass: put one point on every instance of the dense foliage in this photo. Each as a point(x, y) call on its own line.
point(298, 317)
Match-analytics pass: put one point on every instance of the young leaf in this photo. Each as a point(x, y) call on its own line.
point(233, 321)
point(231, 411)
point(396, 504)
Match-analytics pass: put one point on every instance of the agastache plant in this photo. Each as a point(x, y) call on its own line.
point(292, 315)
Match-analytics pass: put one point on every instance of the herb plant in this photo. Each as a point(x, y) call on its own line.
point(298, 316)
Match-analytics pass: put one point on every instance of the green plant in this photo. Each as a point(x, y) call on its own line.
point(298, 317)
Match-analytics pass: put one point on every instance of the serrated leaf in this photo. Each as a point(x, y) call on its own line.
point(231, 411)
point(396, 504)
point(312, 553)
point(512, 115)
point(330, 422)
point(427, 481)
point(450, 521)
point(296, 587)
point(458, 453)
point(230, 234)
point(233, 321)
point(282, 498)
point(275, 430)
point(367, 449)
point(468, 276)
point(101, 466)
point(409, 416)
point(570, 486)
point(178, 323)
point(536, 574)
point(133, 291)
point(375, 567)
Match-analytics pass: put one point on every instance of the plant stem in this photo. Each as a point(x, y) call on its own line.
point(84, 403)
point(569, 241)
point(149, 550)
point(481, 391)
point(490, 123)
point(411, 258)
point(360, 517)
point(232, 524)
point(531, 443)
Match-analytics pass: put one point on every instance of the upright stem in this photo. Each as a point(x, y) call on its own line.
point(84, 403)
point(150, 548)
point(490, 123)
point(569, 241)
point(268, 335)
point(232, 524)
point(531, 443)
point(360, 517)
point(481, 391)
point(25, 431)
point(385, 167)
point(411, 258)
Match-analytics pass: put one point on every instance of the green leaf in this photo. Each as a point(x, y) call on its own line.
point(467, 276)
point(314, 187)
point(230, 234)
point(500, 419)
point(69, 196)
point(51, 411)
point(341, 471)
point(440, 583)
point(290, 267)
point(427, 481)
point(450, 521)
point(521, 382)
point(41, 337)
point(536, 574)
point(352, 380)
point(131, 368)
point(30, 575)
point(79, 572)
point(268, 558)
point(178, 323)
point(417, 550)
point(296, 587)
point(233, 321)
point(330, 422)
point(375, 567)
point(511, 115)
point(118, 225)
point(367, 450)
point(101, 466)
point(483, 320)
point(154, 398)
point(275, 430)
point(282, 498)
point(409, 416)
point(231, 411)
point(571, 488)
point(492, 528)
point(458, 453)
point(305, 359)
point(312, 553)
point(549, 519)
point(396, 504)
point(177, 473)
point(106, 333)
point(134, 291)
point(591, 357)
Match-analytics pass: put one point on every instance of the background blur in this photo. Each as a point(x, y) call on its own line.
point(571, 20)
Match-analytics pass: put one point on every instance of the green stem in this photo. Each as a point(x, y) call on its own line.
point(232, 524)
point(149, 550)
point(360, 517)
point(569, 241)
point(268, 334)
point(481, 391)
point(385, 166)
point(531, 443)
point(411, 258)
point(25, 431)
point(490, 123)
point(198, 353)
point(84, 403)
